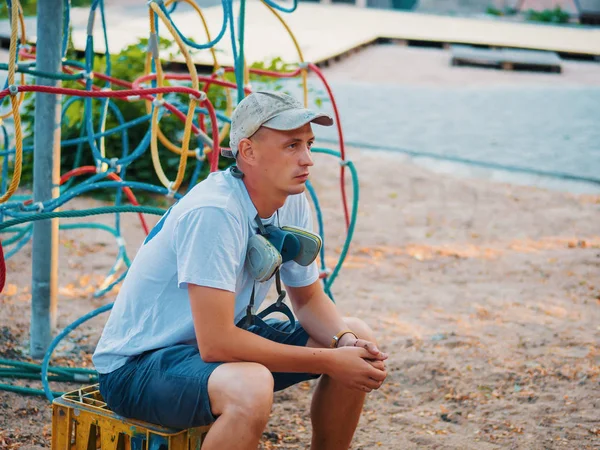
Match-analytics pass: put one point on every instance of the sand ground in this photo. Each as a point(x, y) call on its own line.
point(486, 296)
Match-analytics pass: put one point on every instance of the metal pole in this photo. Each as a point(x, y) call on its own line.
point(46, 173)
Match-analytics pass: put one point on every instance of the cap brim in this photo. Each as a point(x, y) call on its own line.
point(293, 119)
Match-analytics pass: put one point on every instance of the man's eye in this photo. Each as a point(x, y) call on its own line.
point(292, 145)
point(310, 144)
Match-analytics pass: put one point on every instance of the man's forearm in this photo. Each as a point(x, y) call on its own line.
point(321, 319)
point(237, 345)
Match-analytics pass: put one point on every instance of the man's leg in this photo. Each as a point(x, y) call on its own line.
point(335, 409)
point(241, 395)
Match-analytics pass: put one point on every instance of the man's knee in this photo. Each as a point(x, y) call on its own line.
point(242, 389)
point(360, 328)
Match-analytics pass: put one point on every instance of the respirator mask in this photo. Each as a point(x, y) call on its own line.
point(267, 251)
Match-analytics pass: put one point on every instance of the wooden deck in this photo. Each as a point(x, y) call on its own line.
point(327, 32)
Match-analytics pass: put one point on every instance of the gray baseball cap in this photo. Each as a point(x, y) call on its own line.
point(273, 110)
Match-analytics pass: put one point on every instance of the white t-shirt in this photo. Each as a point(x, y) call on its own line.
point(202, 240)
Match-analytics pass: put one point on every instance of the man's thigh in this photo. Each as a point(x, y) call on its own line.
point(168, 387)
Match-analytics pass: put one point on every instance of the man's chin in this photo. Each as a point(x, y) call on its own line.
point(297, 189)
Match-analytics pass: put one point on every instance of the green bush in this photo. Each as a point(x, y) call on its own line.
point(127, 65)
point(556, 15)
point(30, 7)
point(493, 11)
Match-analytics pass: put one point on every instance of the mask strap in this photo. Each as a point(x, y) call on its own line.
point(280, 292)
point(236, 172)
point(250, 308)
point(279, 306)
point(259, 224)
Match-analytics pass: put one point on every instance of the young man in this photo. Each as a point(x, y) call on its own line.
point(175, 350)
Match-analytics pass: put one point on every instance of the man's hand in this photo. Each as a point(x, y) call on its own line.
point(356, 368)
point(377, 358)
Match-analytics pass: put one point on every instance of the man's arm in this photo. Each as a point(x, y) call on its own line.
point(220, 340)
point(317, 314)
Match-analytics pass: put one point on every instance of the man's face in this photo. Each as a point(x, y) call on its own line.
point(284, 157)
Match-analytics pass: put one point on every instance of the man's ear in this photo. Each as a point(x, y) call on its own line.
point(246, 151)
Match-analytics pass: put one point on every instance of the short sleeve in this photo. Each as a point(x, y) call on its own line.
point(209, 248)
point(292, 273)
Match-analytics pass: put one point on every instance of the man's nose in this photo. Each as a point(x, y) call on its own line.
point(306, 159)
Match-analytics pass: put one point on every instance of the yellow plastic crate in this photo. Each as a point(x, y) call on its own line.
point(82, 421)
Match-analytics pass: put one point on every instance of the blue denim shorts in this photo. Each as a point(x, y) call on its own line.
point(169, 386)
